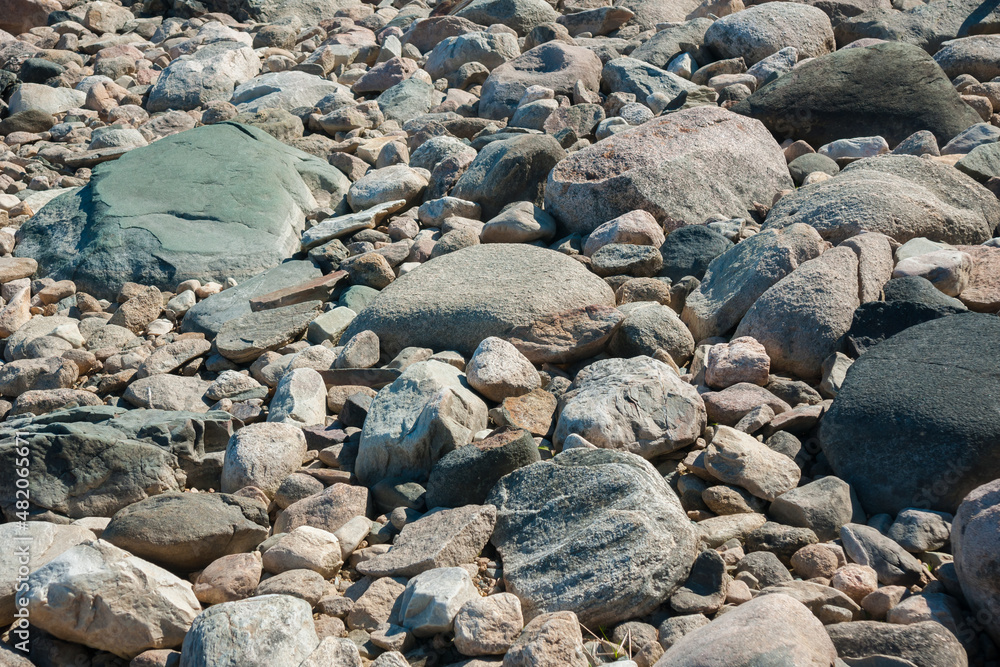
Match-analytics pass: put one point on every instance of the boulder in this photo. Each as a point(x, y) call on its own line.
point(665, 44)
point(262, 456)
point(661, 167)
point(903, 432)
point(466, 475)
point(211, 73)
point(282, 90)
point(184, 229)
point(762, 30)
point(976, 56)
point(17, 16)
point(901, 196)
point(520, 15)
point(890, 90)
point(456, 300)
point(424, 414)
point(101, 596)
point(490, 49)
point(689, 250)
point(975, 537)
point(924, 644)
point(637, 405)
point(738, 277)
point(615, 545)
point(925, 25)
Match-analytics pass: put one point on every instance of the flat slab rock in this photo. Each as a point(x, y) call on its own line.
point(592, 531)
point(454, 301)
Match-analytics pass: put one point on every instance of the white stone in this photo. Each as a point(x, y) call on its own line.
point(432, 599)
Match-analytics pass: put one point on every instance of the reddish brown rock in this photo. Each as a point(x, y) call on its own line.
point(982, 293)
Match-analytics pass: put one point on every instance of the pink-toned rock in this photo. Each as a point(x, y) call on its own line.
point(949, 270)
point(568, 336)
point(16, 313)
point(874, 263)
point(982, 292)
point(229, 578)
point(739, 360)
point(385, 75)
point(728, 406)
point(17, 16)
point(329, 510)
point(855, 581)
point(635, 227)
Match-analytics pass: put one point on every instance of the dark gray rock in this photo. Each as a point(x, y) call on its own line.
point(649, 327)
point(614, 546)
point(894, 565)
point(705, 588)
point(765, 567)
point(689, 250)
point(920, 290)
point(823, 506)
point(925, 644)
point(455, 301)
point(782, 541)
point(905, 431)
point(665, 44)
point(466, 475)
point(927, 25)
point(876, 321)
point(889, 90)
point(206, 218)
point(806, 164)
point(629, 75)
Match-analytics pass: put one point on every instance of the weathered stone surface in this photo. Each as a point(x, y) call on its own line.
point(974, 542)
point(262, 455)
point(924, 644)
point(763, 30)
point(245, 338)
point(901, 196)
point(101, 596)
point(890, 90)
point(466, 475)
point(737, 458)
point(637, 405)
point(567, 336)
point(488, 626)
point(661, 166)
point(897, 390)
point(185, 229)
point(637, 548)
point(329, 510)
point(548, 640)
point(455, 301)
point(432, 599)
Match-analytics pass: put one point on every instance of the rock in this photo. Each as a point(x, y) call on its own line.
point(826, 603)
point(441, 538)
point(172, 238)
point(39, 97)
point(432, 599)
point(406, 100)
point(877, 320)
point(740, 360)
point(272, 630)
point(802, 318)
point(262, 456)
point(129, 605)
point(507, 171)
point(211, 73)
point(488, 626)
point(650, 327)
point(636, 227)
point(881, 405)
point(948, 270)
point(893, 565)
point(585, 189)
point(548, 640)
point(635, 77)
point(329, 510)
point(22, 15)
point(794, 636)
point(810, 163)
point(520, 222)
point(554, 65)
point(766, 568)
point(822, 506)
point(689, 250)
point(455, 301)
point(706, 586)
point(187, 531)
point(974, 539)
point(638, 405)
point(569, 336)
point(981, 163)
point(466, 475)
point(978, 135)
point(975, 55)
point(230, 578)
point(341, 651)
point(299, 399)
point(497, 370)
point(762, 30)
point(520, 15)
point(389, 184)
point(665, 44)
point(305, 548)
point(901, 196)
point(902, 74)
point(488, 48)
point(424, 414)
point(739, 276)
point(168, 392)
point(379, 604)
point(171, 356)
point(925, 644)
point(733, 403)
point(638, 520)
point(737, 458)
point(282, 90)
point(245, 338)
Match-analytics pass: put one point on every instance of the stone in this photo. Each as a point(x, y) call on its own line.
point(520, 222)
point(455, 301)
point(301, 583)
point(706, 586)
point(329, 510)
point(974, 55)
point(339, 651)
point(548, 640)
point(861, 435)
point(378, 605)
point(831, 97)
point(571, 335)
point(855, 581)
point(801, 319)
point(230, 578)
point(262, 455)
point(519, 15)
point(823, 506)
point(689, 250)
point(466, 475)
point(617, 259)
point(739, 276)
point(883, 192)
point(488, 48)
point(794, 636)
point(440, 538)
point(555, 65)
point(637, 405)
point(168, 392)
point(736, 458)
point(498, 371)
point(299, 399)
point(235, 386)
point(274, 630)
point(765, 568)
point(39, 97)
point(432, 599)
point(172, 356)
point(362, 351)
point(488, 626)
point(827, 604)
point(200, 235)
point(509, 170)
point(923, 644)
point(22, 15)
point(638, 520)
point(209, 74)
point(331, 325)
point(919, 531)
point(762, 30)
point(740, 360)
point(130, 605)
point(424, 414)
point(245, 338)
point(305, 548)
point(389, 184)
point(893, 565)
point(814, 560)
point(974, 539)
point(733, 403)
point(187, 531)
point(810, 163)
point(649, 328)
point(948, 270)
point(586, 190)
point(635, 77)
point(282, 90)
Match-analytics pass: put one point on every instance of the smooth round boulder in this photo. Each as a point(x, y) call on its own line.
point(762, 30)
point(975, 537)
point(908, 428)
point(456, 300)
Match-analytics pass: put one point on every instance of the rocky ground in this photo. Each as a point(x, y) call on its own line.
point(499, 332)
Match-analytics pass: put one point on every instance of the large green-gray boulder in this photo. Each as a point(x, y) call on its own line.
point(219, 201)
point(890, 90)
